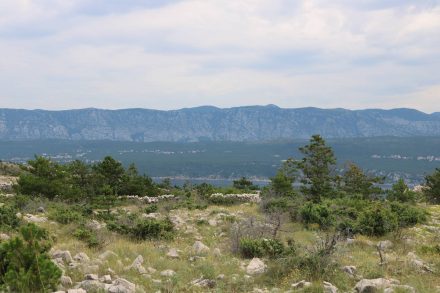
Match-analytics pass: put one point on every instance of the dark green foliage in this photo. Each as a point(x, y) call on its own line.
point(250, 248)
point(65, 215)
point(89, 236)
point(243, 184)
point(44, 178)
point(77, 181)
point(281, 184)
point(408, 215)
point(134, 184)
point(400, 192)
point(356, 182)
point(205, 189)
point(143, 229)
point(152, 208)
point(320, 214)
point(272, 205)
point(151, 229)
point(377, 220)
point(8, 218)
point(25, 265)
point(432, 190)
point(109, 173)
point(316, 167)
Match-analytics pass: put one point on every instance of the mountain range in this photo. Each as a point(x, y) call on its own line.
point(207, 123)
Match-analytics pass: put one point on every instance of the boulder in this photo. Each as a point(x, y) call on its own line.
point(350, 270)
point(34, 219)
point(167, 273)
point(256, 266)
point(329, 287)
point(301, 284)
point(66, 281)
point(41, 210)
point(92, 277)
point(200, 248)
point(417, 263)
point(207, 283)
point(137, 265)
point(107, 279)
point(81, 257)
point(374, 285)
point(94, 225)
point(385, 245)
point(121, 286)
point(92, 285)
point(63, 254)
point(173, 253)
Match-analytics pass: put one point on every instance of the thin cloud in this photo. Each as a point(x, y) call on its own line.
point(169, 54)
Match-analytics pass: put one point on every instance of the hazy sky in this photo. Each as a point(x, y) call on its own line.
point(60, 54)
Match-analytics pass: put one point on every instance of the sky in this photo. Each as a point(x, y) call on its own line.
point(164, 54)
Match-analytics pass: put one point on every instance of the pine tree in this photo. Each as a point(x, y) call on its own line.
point(317, 167)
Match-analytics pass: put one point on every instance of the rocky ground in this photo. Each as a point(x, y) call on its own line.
point(199, 258)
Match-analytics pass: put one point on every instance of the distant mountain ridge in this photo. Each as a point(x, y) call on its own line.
point(207, 123)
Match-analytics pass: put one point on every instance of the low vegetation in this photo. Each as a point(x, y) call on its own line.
point(234, 239)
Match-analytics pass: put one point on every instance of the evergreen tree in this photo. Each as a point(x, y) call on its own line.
point(110, 173)
point(243, 183)
point(44, 178)
point(432, 190)
point(25, 265)
point(282, 182)
point(400, 192)
point(316, 167)
point(356, 182)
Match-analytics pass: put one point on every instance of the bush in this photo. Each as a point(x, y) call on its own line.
point(64, 215)
point(377, 221)
point(432, 190)
point(250, 248)
point(151, 229)
point(401, 192)
point(8, 218)
point(90, 237)
point(317, 214)
point(408, 215)
point(25, 265)
point(151, 209)
point(143, 229)
point(275, 205)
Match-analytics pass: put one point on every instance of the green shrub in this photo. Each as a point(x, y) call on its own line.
point(320, 214)
point(275, 205)
point(151, 229)
point(250, 248)
point(143, 229)
point(401, 192)
point(25, 265)
point(408, 215)
point(89, 237)
point(64, 215)
point(151, 209)
point(377, 221)
point(8, 218)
